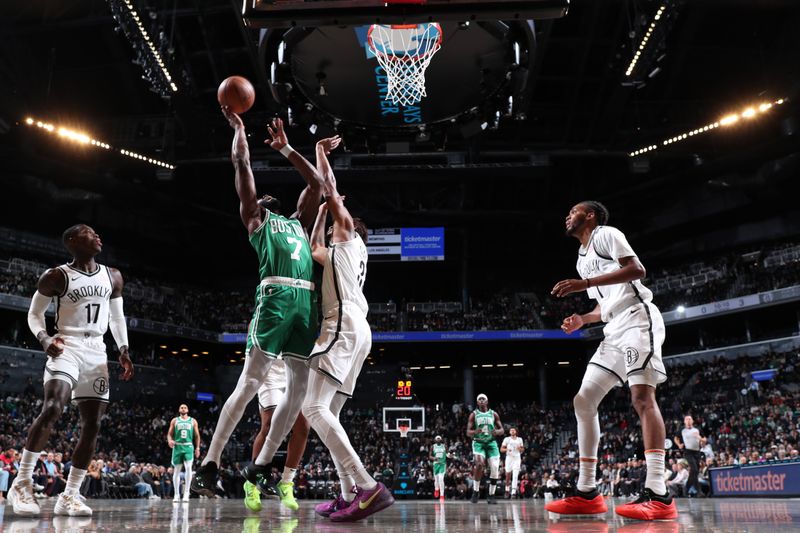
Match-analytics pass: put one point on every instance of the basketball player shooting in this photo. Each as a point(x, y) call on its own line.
point(284, 322)
point(630, 352)
point(89, 302)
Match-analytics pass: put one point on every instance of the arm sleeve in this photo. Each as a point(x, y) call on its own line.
point(116, 321)
point(39, 304)
point(611, 242)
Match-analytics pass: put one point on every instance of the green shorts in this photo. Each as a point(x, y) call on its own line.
point(284, 322)
point(485, 449)
point(439, 468)
point(182, 453)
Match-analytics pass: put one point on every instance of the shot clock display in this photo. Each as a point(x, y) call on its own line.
point(403, 391)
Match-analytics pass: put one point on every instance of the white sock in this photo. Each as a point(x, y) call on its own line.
point(256, 367)
point(514, 481)
point(288, 475)
point(26, 465)
point(492, 486)
point(317, 411)
point(187, 468)
point(176, 481)
point(587, 474)
point(347, 483)
point(655, 471)
point(476, 485)
point(74, 481)
point(286, 412)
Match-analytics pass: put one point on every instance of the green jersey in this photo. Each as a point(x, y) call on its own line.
point(183, 435)
point(282, 248)
point(484, 424)
point(439, 454)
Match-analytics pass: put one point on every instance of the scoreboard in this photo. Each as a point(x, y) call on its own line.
point(403, 391)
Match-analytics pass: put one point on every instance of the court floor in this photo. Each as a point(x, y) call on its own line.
point(718, 515)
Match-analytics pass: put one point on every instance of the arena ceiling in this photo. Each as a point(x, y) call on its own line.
point(581, 118)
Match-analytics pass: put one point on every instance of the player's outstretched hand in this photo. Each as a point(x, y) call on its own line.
point(233, 119)
point(329, 144)
point(568, 286)
point(278, 138)
point(126, 364)
point(572, 324)
point(55, 348)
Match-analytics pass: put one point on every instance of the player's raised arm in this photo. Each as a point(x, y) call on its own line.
point(317, 241)
point(500, 431)
point(312, 194)
point(344, 229)
point(471, 425)
point(249, 209)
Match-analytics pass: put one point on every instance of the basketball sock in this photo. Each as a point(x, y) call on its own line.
point(286, 412)
point(589, 396)
point(316, 409)
point(476, 485)
point(187, 468)
point(27, 464)
point(74, 481)
point(514, 481)
point(347, 483)
point(256, 368)
point(176, 481)
point(288, 475)
point(655, 471)
point(492, 486)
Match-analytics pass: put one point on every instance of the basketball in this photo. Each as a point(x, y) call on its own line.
point(237, 93)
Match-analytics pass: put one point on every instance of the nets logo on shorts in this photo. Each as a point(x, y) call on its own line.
point(631, 356)
point(100, 385)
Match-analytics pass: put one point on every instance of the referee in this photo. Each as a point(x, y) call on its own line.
point(691, 451)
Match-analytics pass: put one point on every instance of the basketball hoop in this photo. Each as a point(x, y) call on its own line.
point(403, 429)
point(405, 51)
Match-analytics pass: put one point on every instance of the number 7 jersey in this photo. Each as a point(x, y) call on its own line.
point(282, 247)
point(82, 309)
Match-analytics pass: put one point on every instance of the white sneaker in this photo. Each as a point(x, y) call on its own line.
point(176, 499)
point(155, 497)
point(186, 498)
point(20, 496)
point(71, 505)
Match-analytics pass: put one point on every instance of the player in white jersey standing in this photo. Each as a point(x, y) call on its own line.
point(512, 446)
point(630, 352)
point(88, 300)
point(344, 343)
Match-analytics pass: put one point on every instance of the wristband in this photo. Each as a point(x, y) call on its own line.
point(286, 150)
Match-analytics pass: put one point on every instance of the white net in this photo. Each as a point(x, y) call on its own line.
point(405, 52)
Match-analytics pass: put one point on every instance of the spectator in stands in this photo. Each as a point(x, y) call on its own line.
point(134, 479)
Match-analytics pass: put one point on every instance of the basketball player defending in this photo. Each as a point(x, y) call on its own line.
point(631, 351)
point(483, 426)
point(284, 321)
point(88, 300)
point(344, 343)
point(270, 394)
point(183, 437)
point(439, 458)
point(512, 446)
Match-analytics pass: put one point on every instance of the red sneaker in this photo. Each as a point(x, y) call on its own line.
point(435, 494)
point(581, 503)
point(649, 506)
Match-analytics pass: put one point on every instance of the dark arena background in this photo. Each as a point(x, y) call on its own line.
point(681, 117)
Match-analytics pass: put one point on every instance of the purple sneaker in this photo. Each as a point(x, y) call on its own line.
point(367, 502)
point(327, 509)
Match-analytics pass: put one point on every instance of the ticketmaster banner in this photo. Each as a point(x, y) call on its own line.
point(781, 479)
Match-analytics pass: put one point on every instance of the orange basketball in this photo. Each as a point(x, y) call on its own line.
point(237, 93)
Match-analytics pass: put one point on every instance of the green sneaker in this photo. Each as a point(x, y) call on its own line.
point(286, 494)
point(252, 497)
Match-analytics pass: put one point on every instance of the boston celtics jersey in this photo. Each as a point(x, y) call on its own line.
point(484, 423)
point(282, 248)
point(439, 454)
point(184, 432)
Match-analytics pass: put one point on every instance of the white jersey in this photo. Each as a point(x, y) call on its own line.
point(513, 447)
point(601, 256)
point(82, 309)
point(344, 275)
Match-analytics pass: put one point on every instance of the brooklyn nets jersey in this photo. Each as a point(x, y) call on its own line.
point(82, 309)
point(513, 446)
point(344, 275)
point(601, 256)
point(282, 248)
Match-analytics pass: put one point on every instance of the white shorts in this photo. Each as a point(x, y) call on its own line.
point(513, 463)
point(631, 349)
point(84, 365)
point(272, 390)
point(342, 348)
